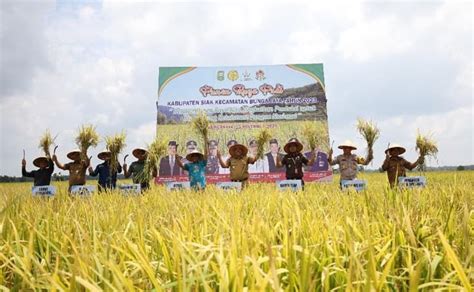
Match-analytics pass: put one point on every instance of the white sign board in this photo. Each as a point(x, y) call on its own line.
point(43, 191)
point(82, 190)
point(289, 184)
point(356, 184)
point(178, 185)
point(229, 185)
point(412, 182)
point(130, 189)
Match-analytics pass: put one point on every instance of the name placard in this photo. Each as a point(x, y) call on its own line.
point(412, 182)
point(82, 191)
point(289, 184)
point(356, 184)
point(229, 185)
point(130, 189)
point(178, 185)
point(43, 191)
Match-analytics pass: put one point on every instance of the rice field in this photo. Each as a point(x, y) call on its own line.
point(321, 239)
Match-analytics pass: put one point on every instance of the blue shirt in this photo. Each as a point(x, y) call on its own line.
point(106, 180)
point(197, 173)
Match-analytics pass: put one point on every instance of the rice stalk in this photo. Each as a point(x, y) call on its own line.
point(45, 142)
point(115, 144)
point(263, 136)
point(200, 125)
point(156, 150)
point(369, 131)
point(86, 138)
point(426, 146)
point(315, 134)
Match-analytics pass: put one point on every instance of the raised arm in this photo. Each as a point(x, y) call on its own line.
point(126, 173)
point(410, 165)
point(224, 164)
point(330, 160)
point(386, 162)
point(367, 159)
point(206, 149)
point(93, 172)
point(50, 165)
point(179, 162)
point(252, 160)
point(312, 159)
point(59, 164)
point(278, 162)
point(23, 170)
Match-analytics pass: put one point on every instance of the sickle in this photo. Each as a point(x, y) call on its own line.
point(56, 147)
point(125, 159)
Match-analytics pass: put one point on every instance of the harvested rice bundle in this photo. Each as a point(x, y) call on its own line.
point(369, 132)
point(156, 150)
point(115, 144)
point(45, 142)
point(200, 124)
point(86, 138)
point(263, 137)
point(315, 134)
point(426, 146)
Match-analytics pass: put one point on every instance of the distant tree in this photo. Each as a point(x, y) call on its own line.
point(460, 168)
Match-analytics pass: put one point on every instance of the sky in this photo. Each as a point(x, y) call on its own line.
point(404, 65)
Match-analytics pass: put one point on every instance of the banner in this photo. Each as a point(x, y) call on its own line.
point(239, 101)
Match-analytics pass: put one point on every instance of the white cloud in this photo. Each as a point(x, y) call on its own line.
point(99, 64)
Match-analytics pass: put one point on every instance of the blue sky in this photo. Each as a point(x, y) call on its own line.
point(405, 65)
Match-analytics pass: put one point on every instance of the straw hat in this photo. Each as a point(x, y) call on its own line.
point(37, 160)
point(137, 150)
point(347, 144)
point(293, 142)
point(194, 153)
point(72, 153)
point(103, 155)
point(396, 146)
point(234, 148)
